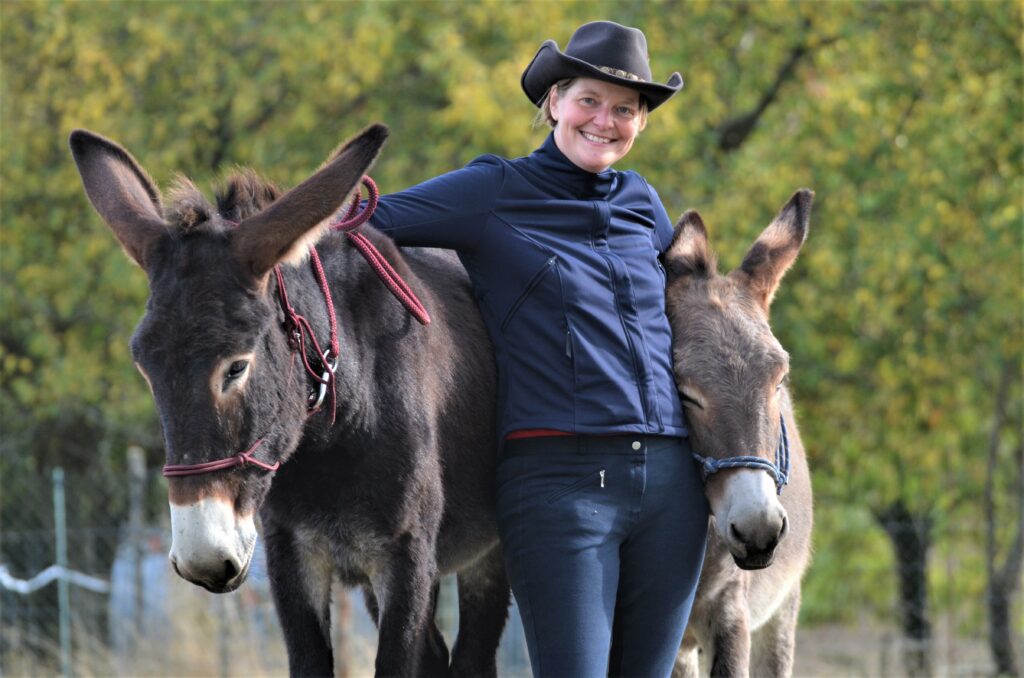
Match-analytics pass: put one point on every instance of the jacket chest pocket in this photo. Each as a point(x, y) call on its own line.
point(538, 276)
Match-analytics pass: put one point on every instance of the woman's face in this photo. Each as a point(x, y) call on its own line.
point(595, 122)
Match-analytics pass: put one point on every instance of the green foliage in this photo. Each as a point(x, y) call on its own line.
point(905, 118)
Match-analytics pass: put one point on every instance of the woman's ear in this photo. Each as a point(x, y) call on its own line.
point(552, 100)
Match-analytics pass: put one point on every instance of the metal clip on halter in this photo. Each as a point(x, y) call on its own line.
point(325, 379)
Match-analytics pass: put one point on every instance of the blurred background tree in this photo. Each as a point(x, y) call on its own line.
point(903, 316)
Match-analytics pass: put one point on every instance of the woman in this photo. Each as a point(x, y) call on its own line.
point(601, 509)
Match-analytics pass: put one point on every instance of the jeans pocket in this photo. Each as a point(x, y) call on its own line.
point(593, 479)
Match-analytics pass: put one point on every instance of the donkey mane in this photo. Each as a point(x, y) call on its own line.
point(243, 194)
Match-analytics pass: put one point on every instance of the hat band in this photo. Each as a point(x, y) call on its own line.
point(618, 72)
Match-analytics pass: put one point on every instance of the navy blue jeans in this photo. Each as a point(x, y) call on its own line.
point(603, 540)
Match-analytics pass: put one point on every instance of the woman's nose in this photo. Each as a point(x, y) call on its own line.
point(603, 117)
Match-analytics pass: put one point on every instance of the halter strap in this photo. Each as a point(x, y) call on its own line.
point(299, 330)
point(779, 471)
point(240, 459)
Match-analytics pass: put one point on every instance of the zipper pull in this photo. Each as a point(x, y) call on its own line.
point(601, 473)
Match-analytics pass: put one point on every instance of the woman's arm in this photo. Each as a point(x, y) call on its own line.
point(663, 228)
point(448, 211)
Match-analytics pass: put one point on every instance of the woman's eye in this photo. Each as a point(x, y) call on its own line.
point(626, 112)
point(236, 369)
point(587, 101)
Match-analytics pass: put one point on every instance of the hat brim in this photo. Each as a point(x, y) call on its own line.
point(550, 65)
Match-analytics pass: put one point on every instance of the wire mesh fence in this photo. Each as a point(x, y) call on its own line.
point(141, 619)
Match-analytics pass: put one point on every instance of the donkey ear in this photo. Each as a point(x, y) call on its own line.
point(296, 220)
point(121, 192)
point(688, 254)
point(776, 248)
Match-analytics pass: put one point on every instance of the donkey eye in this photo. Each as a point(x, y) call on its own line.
point(236, 369)
point(782, 382)
point(686, 398)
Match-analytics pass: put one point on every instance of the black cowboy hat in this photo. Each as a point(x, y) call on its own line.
point(604, 50)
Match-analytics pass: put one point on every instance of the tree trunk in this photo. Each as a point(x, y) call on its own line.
point(911, 539)
point(1001, 626)
point(1003, 580)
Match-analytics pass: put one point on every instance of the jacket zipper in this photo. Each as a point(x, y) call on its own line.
point(534, 281)
point(629, 340)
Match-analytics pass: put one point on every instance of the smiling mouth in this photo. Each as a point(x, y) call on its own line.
point(595, 139)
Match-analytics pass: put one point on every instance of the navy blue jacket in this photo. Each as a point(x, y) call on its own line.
point(564, 265)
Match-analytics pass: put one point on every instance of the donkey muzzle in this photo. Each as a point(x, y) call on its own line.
point(749, 518)
point(211, 545)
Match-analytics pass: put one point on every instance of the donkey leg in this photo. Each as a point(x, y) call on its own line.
point(434, 656)
point(403, 589)
point(688, 658)
point(483, 609)
point(774, 644)
point(434, 660)
point(372, 608)
point(303, 601)
point(731, 637)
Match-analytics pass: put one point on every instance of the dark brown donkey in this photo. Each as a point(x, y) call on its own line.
point(731, 372)
point(391, 484)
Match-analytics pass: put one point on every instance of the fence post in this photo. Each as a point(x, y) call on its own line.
point(136, 504)
point(223, 637)
point(63, 594)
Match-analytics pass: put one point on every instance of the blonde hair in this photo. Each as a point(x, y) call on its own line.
point(543, 116)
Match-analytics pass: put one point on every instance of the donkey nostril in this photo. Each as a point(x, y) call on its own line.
point(785, 527)
point(736, 534)
point(230, 571)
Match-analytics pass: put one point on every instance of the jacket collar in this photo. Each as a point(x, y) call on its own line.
point(561, 171)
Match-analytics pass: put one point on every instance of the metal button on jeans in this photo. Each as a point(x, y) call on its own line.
point(636, 444)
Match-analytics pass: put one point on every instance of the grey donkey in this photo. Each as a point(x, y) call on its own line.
point(732, 372)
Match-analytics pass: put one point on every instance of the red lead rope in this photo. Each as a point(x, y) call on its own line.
point(352, 220)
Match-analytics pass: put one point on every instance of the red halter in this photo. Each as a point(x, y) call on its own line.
point(299, 329)
point(240, 459)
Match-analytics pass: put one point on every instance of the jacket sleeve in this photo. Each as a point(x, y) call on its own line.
point(662, 224)
point(448, 211)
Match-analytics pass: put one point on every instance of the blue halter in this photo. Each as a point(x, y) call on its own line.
point(779, 470)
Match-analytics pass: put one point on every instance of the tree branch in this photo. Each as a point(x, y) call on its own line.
point(734, 131)
point(1002, 581)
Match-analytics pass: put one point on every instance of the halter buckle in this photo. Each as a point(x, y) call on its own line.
point(317, 399)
